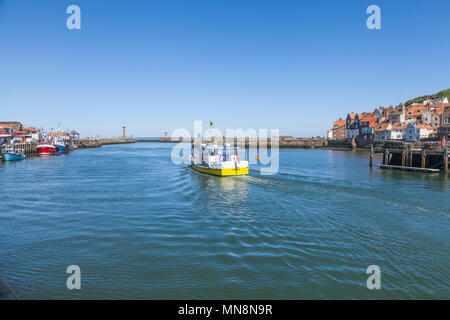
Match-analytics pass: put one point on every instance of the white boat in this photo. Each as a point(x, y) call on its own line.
point(219, 161)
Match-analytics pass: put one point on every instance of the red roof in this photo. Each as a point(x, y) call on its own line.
point(399, 126)
point(338, 123)
point(382, 126)
point(32, 129)
point(370, 118)
point(415, 111)
point(422, 126)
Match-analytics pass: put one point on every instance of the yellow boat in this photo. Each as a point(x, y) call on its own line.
point(220, 172)
point(219, 161)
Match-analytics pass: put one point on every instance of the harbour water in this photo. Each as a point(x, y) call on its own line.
point(141, 227)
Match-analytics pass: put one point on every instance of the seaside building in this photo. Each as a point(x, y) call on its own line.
point(57, 134)
point(387, 112)
point(435, 100)
point(352, 130)
point(35, 133)
point(21, 136)
point(366, 126)
point(338, 131)
point(15, 125)
point(417, 131)
point(383, 131)
point(382, 114)
point(415, 113)
point(444, 129)
point(398, 115)
point(433, 115)
point(398, 130)
point(6, 134)
point(427, 121)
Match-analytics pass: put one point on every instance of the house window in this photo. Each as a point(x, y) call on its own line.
point(447, 120)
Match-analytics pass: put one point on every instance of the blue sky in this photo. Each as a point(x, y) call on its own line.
point(160, 65)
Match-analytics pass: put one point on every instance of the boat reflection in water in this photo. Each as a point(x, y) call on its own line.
point(226, 191)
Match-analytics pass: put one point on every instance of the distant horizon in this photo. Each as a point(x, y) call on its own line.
point(157, 66)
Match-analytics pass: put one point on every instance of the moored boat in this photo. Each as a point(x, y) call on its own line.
point(46, 149)
point(12, 155)
point(219, 161)
point(60, 145)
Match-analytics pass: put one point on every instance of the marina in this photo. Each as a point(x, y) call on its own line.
point(224, 159)
point(141, 227)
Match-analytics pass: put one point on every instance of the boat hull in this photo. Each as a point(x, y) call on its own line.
point(46, 150)
point(60, 148)
point(12, 157)
point(221, 172)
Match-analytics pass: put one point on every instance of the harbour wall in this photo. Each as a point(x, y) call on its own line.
point(284, 142)
point(310, 143)
point(97, 143)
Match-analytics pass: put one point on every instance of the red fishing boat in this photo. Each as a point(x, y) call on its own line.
point(46, 149)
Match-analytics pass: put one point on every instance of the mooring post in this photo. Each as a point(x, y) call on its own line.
point(410, 158)
point(371, 156)
point(423, 159)
point(445, 160)
point(404, 158)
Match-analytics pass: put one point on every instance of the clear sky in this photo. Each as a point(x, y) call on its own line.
point(157, 65)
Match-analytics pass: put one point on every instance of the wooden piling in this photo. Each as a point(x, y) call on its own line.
point(410, 158)
point(386, 157)
point(371, 156)
point(353, 144)
point(423, 159)
point(445, 156)
point(418, 160)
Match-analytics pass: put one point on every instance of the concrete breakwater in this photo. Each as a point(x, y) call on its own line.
point(282, 142)
point(97, 143)
point(309, 143)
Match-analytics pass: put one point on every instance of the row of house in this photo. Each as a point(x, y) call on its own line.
point(404, 122)
point(14, 131)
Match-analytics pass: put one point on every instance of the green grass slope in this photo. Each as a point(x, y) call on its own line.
point(443, 93)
